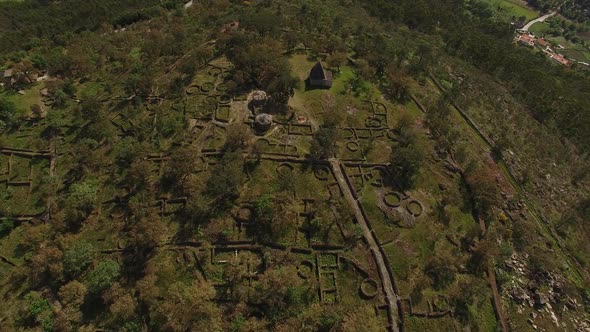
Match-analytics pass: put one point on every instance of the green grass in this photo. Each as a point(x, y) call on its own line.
point(514, 8)
point(540, 28)
point(430, 324)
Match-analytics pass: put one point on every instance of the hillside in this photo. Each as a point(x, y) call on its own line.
point(317, 165)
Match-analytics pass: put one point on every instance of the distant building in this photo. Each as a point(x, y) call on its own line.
point(542, 42)
point(560, 59)
point(319, 77)
point(526, 39)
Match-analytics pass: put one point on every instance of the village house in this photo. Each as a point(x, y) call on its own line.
point(319, 77)
point(525, 39)
point(560, 59)
point(542, 43)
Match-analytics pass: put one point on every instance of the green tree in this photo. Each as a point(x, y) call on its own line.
point(405, 164)
point(441, 270)
point(227, 176)
point(103, 275)
point(323, 144)
point(7, 114)
point(188, 307)
point(78, 258)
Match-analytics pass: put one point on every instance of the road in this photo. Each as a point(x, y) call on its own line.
point(386, 277)
point(537, 20)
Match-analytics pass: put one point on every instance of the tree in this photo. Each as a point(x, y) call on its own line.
point(121, 303)
point(72, 296)
point(78, 258)
point(238, 136)
point(323, 144)
point(103, 275)
point(484, 253)
point(397, 84)
point(46, 266)
point(441, 270)
point(7, 114)
point(360, 320)
point(282, 293)
point(81, 201)
point(148, 232)
point(219, 230)
point(188, 307)
point(337, 59)
point(227, 176)
point(483, 189)
point(183, 162)
point(273, 218)
point(39, 310)
point(405, 164)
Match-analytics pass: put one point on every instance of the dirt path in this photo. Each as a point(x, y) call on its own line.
point(496, 297)
point(386, 278)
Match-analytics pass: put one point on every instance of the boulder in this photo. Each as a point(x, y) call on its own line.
point(541, 299)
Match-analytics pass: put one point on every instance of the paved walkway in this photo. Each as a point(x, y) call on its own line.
point(537, 20)
point(386, 277)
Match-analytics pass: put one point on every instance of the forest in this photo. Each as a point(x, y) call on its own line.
point(172, 166)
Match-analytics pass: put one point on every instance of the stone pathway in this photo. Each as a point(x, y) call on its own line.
point(386, 278)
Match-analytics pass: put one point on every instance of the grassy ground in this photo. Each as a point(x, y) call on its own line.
point(539, 28)
point(514, 8)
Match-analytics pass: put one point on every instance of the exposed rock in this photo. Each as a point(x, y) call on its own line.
point(519, 295)
point(541, 299)
point(533, 285)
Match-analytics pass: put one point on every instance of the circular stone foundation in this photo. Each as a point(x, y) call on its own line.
point(207, 87)
point(321, 173)
point(352, 146)
point(414, 208)
point(191, 90)
point(392, 199)
point(305, 269)
point(214, 71)
point(224, 99)
point(369, 288)
point(284, 168)
point(373, 122)
point(221, 87)
point(263, 122)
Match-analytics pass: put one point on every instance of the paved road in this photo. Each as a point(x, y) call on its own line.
point(386, 277)
point(537, 20)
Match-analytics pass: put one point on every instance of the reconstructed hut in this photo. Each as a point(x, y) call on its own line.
point(263, 122)
point(319, 77)
point(258, 98)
